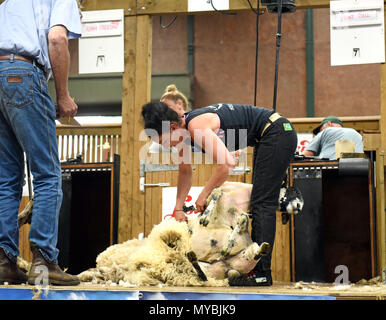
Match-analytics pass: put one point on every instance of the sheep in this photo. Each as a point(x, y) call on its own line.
point(205, 251)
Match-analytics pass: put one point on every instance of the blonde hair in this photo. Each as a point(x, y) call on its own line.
point(172, 93)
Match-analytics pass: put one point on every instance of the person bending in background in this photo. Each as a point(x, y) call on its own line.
point(327, 133)
point(218, 130)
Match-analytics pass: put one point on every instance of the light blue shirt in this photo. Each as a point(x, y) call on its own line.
point(323, 144)
point(24, 26)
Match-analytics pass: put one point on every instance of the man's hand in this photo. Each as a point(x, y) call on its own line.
point(66, 107)
point(308, 153)
point(60, 62)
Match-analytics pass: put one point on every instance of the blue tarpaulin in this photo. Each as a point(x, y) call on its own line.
point(60, 294)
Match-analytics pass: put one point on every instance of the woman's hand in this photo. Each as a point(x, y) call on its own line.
point(201, 202)
point(179, 215)
point(236, 155)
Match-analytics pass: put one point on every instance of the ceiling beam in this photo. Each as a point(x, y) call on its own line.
point(130, 6)
point(157, 7)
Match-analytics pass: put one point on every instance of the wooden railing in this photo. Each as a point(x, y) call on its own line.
point(87, 141)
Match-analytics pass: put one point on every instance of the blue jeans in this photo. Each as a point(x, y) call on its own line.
point(27, 125)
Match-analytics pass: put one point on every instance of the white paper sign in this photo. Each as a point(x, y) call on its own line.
point(206, 5)
point(169, 200)
point(102, 28)
point(357, 32)
point(356, 17)
point(101, 47)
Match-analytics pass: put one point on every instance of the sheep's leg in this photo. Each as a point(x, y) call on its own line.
point(241, 226)
point(247, 259)
point(244, 261)
point(207, 214)
point(193, 260)
point(262, 251)
point(233, 273)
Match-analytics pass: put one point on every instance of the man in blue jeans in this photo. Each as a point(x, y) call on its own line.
point(33, 45)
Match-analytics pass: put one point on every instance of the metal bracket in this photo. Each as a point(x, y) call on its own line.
point(241, 170)
point(142, 184)
point(146, 167)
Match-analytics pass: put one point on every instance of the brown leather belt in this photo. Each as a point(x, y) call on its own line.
point(21, 58)
point(16, 58)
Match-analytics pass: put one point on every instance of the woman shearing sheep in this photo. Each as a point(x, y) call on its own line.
point(220, 130)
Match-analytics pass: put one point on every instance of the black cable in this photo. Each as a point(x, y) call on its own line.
point(222, 12)
point(255, 11)
point(278, 38)
point(169, 24)
point(258, 13)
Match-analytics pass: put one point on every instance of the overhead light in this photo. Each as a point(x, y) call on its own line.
point(273, 5)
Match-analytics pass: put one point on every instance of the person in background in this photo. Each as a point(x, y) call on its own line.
point(175, 99)
point(34, 38)
point(218, 130)
point(327, 133)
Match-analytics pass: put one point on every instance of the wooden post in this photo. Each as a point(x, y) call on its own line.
point(383, 107)
point(136, 83)
point(380, 176)
point(380, 218)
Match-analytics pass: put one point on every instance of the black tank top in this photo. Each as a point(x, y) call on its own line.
point(240, 125)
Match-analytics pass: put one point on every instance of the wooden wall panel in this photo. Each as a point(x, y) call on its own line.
point(280, 264)
point(352, 90)
point(230, 41)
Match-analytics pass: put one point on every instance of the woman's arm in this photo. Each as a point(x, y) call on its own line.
point(219, 176)
point(216, 149)
point(184, 184)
